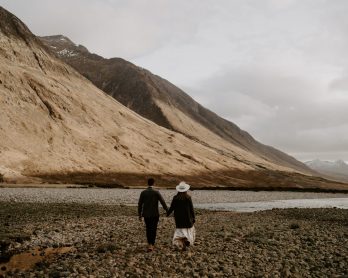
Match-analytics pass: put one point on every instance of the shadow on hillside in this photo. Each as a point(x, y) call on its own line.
point(231, 180)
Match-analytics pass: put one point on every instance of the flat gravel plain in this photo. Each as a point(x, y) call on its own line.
point(130, 196)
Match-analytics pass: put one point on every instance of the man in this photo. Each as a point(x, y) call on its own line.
point(148, 208)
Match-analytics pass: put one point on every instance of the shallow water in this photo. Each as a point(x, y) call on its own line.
point(295, 203)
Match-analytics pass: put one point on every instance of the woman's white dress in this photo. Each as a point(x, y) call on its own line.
point(181, 233)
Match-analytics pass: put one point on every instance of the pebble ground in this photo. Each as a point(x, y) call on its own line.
point(109, 241)
point(130, 196)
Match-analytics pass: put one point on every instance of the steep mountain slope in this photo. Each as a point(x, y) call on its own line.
point(54, 121)
point(56, 126)
point(163, 103)
point(337, 170)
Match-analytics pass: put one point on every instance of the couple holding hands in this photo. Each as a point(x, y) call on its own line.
point(184, 215)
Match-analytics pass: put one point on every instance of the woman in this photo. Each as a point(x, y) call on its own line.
point(184, 215)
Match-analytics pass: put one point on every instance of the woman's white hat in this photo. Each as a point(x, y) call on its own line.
point(182, 187)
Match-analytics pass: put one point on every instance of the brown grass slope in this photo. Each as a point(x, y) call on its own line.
point(54, 121)
point(56, 126)
point(163, 103)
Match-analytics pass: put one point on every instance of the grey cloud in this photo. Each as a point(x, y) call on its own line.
point(288, 112)
point(113, 27)
point(340, 84)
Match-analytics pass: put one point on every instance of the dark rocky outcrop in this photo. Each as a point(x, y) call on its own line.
point(146, 94)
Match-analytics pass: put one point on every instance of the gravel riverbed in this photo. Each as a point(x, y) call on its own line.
point(130, 196)
point(97, 240)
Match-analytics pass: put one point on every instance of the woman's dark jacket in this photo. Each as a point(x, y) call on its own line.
point(183, 212)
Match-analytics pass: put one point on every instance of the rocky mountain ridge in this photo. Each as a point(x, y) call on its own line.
point(162, 102)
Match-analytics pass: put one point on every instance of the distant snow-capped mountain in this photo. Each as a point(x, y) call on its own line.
point(335, 169)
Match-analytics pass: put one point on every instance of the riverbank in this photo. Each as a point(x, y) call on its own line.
point(211, 188)
point(130, 196)
point(93, 240)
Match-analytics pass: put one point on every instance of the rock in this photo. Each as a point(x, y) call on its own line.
point(54, 274)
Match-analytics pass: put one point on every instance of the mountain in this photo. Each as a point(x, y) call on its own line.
point(163, 103)
point(56, 126)
point(337, 170)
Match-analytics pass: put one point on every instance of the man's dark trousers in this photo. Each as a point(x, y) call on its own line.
point(151, 229)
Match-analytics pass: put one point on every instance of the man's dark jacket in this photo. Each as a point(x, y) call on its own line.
point(148, 203)
point(183, 212)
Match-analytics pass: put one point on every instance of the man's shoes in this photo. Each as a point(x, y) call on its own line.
point(150, 248)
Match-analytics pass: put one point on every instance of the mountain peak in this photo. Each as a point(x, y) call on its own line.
point(57, 38)
point(333, 169)
point(340, 162)
point(63, 46)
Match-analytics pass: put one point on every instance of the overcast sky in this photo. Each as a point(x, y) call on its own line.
point(276, 68)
